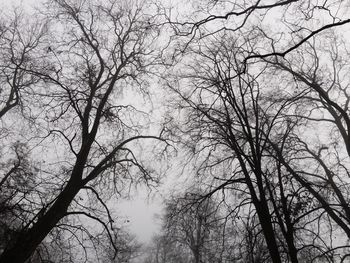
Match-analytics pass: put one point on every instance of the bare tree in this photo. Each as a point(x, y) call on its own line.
point(326, 107)
point(252, 93)
point(194, 227)
point(236, 125)
point(163, 249)
point(19, 41)
point(95, 55)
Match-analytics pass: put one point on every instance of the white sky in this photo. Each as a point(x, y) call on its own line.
point(141, 212)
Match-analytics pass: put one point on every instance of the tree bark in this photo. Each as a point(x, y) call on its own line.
point(266, 225)
point(28, 241)
point(293, 252)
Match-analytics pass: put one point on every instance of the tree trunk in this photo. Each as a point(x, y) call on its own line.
point(293, 252)
point(266, 225)
point(28, 241)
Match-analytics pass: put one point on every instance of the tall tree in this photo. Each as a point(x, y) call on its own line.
point(85, 128)
point(237, 123)
point(248, 122)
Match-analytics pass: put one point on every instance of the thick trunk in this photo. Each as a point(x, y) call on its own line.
point(28, 241)
point(266, 225)
point(293, 252)
point(196, 253)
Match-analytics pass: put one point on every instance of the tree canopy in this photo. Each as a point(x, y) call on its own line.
point(246, 99)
